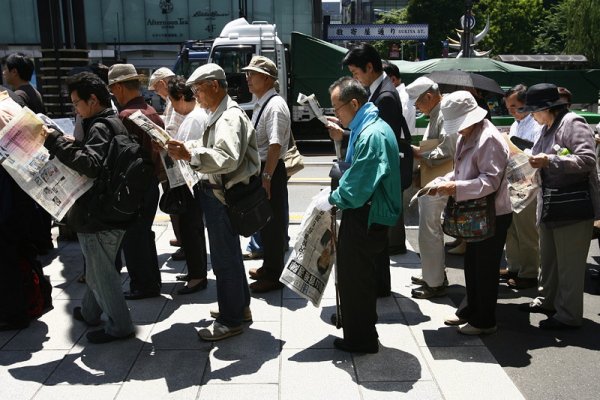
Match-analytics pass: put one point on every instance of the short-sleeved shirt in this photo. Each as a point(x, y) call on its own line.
point(274, 126)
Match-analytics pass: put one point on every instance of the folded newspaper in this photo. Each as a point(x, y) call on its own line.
point(53, 185)
point(308, 269)
point(179, 172)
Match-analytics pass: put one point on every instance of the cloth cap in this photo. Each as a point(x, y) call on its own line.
point(159, 75)
point(121, 73)
point(460, 110)
point(419, 86)
point(541, 97)
point(262, 65)
point(206, 72)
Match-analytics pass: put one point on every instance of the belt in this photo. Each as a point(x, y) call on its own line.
point(205, 184)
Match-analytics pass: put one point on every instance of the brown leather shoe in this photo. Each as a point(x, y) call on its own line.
point(257, 273)
point(175, 243)
point(263, 286)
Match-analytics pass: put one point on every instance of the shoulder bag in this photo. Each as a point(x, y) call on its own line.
point(471, 220)
point(569, 203)
point(293, 160)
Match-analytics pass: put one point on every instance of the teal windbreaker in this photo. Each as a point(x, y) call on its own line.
point(374, 174)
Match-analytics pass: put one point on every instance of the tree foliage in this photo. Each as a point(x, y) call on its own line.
point(583, 28)
point(511, 24)
point(443, 17)
point(550, 36)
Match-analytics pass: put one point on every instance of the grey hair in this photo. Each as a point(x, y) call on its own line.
point(350, 89)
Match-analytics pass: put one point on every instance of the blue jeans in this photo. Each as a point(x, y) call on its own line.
point(226, 259)
point(104, 292)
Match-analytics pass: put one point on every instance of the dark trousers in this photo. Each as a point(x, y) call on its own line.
point(191, 229)
point(482, 270)
point(357, 248)
point(139, 247)
point(274, 234)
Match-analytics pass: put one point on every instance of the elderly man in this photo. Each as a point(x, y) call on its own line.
point(424, 93)
point(271, 119)
point(138, 244)
point(522, 238)
point(159, 83)
point(369, 197)
point(227, 153)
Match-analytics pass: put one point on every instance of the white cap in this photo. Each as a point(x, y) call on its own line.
point(206, 72)
point(159, 75)
point(420, 86)
point(460, 110)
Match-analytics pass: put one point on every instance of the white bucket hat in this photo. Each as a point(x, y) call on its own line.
point(460, 110)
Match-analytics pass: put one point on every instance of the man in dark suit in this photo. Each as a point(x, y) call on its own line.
point(365, 65)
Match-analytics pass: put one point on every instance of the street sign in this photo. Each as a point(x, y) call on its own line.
point(378, 32)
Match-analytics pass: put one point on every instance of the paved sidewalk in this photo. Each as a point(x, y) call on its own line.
point(286, 353)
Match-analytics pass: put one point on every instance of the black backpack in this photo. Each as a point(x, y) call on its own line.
point(127, 173)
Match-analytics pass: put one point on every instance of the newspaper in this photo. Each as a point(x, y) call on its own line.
point(179, 172)
point(308, 269)
point(522, 180)
point(8, 108)
point(53, 185)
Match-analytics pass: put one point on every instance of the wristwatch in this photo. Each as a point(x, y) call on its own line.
point(267, 176)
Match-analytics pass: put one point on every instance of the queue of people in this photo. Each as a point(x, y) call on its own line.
point(224, 147)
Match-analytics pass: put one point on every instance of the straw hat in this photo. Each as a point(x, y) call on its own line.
point(121, 73)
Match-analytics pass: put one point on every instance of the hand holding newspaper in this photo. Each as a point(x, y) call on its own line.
point(179, 172)
point(53, 185)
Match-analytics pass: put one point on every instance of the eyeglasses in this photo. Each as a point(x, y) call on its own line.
point(196, 86)
point(76, 102)
point(337, 109)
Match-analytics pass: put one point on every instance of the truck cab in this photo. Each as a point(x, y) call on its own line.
point(234, 48)
point(193, 54)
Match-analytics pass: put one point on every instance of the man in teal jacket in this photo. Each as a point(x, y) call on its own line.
point(369, 195)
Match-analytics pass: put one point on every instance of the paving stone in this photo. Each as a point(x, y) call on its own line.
point(419, 390)
point(252, 357)
point(55, 330)
point(317, 373)
point(398, 359)
point(23, 372)
point(65, 391)
point(245, 391)
point(313, 323)
point(165, 374)
point(426, 320)
point(464, 373)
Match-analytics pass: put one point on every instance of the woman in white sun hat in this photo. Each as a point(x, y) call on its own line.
point(479, 163)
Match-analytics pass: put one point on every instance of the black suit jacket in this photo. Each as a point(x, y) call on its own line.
point(387, 100)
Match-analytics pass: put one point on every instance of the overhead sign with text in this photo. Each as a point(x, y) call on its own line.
point(378, 32)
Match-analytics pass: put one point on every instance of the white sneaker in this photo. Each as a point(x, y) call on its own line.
point(218, 331)
point(468, 329)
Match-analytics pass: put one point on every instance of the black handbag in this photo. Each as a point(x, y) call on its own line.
point(175, 200)
point(248, 208)
point(569, 203)
point(471, 220)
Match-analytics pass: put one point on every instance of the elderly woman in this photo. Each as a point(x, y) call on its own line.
point(191, 225)
point(566, 158)
point(479, 163)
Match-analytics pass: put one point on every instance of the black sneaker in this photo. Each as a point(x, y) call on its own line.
point(100, 336)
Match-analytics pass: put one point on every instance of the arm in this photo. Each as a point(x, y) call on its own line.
point(84, 157)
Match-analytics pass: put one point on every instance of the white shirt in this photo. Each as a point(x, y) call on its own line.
point(527, 129)
point(375, 84)
point(274, 126)
point(408, 108)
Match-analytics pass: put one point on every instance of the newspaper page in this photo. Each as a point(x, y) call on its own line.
point(522, 180)
point(430, 173)
point(179, 172)
point(53, 185)
point(8, 108)
point(308, 269)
